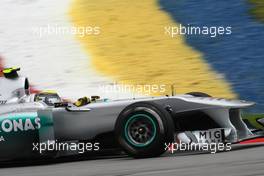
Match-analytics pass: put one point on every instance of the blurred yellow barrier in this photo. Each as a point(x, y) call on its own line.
point(132, 47)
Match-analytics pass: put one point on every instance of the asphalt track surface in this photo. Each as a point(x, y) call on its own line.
point(241, 162)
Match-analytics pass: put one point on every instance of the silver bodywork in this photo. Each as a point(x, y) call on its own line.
point(86, 123)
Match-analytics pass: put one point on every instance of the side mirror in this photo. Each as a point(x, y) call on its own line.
point(94, 98)
point(62, 104)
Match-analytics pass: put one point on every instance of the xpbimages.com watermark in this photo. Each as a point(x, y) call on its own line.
point(80, 31)
point(207, 147)
point(144, 89)
point(80, 147)
point(212, 31)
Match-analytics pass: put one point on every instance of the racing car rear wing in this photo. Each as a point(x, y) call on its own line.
point(12, 87)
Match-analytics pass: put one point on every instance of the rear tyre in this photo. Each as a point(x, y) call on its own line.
point(199, 94)
point(143, 128)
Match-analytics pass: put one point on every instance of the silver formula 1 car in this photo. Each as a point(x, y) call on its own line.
point(139, 127)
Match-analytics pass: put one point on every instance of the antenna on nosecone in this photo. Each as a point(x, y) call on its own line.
point(172, 90)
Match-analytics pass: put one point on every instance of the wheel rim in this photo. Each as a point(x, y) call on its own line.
point(140, 130)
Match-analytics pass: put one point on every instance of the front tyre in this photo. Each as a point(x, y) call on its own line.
point(143, 128)
point(199, 94)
